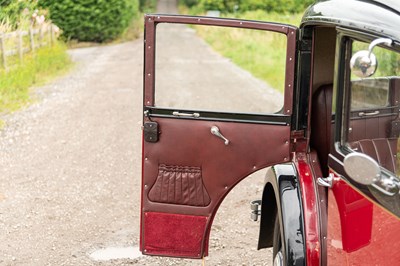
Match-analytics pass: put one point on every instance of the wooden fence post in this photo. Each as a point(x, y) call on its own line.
point(51, 35)
point(31, 40)
point(3, 52)
point(20, 46)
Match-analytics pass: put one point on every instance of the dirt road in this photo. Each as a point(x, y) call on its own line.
point(70, 172)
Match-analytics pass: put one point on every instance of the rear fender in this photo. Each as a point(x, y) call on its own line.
point(282, 197)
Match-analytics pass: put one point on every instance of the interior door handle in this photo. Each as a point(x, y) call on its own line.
point(368, 113)
point(215, 131)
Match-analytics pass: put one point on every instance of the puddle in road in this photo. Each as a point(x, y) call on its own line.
point(114, 253)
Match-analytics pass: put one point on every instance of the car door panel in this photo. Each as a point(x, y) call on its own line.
point(195, 149)
point(357, 229)
point(187, 170)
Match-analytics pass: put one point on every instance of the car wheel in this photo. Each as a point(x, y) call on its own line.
point(277, 242)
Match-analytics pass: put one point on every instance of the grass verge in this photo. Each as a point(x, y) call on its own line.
point(38, 68)
point(261, 53)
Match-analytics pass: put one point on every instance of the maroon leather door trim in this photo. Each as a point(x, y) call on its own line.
point(252, 147)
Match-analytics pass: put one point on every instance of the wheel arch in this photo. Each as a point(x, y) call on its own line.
point(282, 196)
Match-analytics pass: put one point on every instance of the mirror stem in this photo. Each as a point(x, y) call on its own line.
point(374, 43)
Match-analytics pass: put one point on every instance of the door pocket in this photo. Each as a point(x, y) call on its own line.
point(182, 185)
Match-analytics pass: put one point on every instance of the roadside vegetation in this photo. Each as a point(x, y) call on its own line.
point(261, 53)
point(78, 23)
point(36, 67)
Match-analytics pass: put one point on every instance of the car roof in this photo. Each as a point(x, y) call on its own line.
point(378, 17)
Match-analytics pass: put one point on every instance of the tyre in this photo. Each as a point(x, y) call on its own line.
point(277, 250)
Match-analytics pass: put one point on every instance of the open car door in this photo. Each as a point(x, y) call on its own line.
point(207, 125)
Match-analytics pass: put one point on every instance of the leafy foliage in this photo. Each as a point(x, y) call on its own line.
point(228, 6)
point(92, 20)
point(14, 12)
point(147, 5)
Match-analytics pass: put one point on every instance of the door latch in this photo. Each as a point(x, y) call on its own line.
point(150, 131)
point(327, 181)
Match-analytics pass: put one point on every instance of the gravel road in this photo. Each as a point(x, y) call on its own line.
point(70, 171)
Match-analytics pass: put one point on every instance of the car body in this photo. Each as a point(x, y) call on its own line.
point(317, 208)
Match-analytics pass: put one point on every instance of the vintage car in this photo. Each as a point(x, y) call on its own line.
point(331, 194)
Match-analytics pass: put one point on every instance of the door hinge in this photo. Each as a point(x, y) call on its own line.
point(298, 141)
point(297, 134)
point(150, 131)
point(304, 45)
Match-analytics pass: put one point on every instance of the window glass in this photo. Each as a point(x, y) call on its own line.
point(373, 124)
point(219, 69)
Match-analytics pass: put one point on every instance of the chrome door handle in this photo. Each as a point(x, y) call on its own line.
point(195, 115)
point(368, 113)
point(215, 131)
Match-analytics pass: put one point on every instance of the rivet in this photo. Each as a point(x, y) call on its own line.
point(149, 19)
point(158, 17)
point(290, 85)
point(292, 32)
point(198, 20)
point(148, 102)
point(285, 159)
point(241, 23)
point(146, 159)
point(313, 161)
point(226, 187)
point(324, 237)
point(149, 47)
point(254, 167)
point(287, 111)
point(290, 59)
point(145, 250)
point(286, 142)
point(145, 186)
point(149, 75)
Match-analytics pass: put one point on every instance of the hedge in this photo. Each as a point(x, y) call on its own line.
point(92, 20)
point(229, 6)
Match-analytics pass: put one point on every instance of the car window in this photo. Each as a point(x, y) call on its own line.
point(219, 69)
point(373, 123)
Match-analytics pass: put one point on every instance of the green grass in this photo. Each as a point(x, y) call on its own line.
point(261, 53)
point(36, 69)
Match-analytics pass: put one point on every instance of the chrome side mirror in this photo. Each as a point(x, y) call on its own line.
point(363, 63)
point(366, 171)
point(362, 168)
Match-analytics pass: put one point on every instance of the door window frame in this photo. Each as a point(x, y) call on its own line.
point(149, 108)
